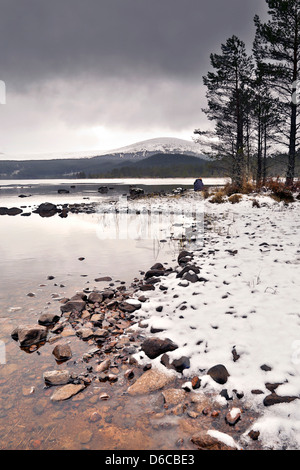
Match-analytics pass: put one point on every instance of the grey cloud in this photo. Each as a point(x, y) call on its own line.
point(42, 39)
point(132, 65)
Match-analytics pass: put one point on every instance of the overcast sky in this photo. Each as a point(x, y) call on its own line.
point(100, 74)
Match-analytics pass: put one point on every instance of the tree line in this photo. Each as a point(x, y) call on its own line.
point(253, 99)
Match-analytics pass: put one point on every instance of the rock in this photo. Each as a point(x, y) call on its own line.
point(95, 297)
point(128, 307)
point(129, 374)
point(94, 417)
point(14, 211)
point(56, 377)
point(183, 255)
point(188, 269)
point(274, 399)
point(104, 396)
point(233, 416)
point(184, 283)
point(62, 352)
point(63, 191)
point(47, 209)
point(64, 213)
point(136, 192)
point(154, 347)
point(150, 381)
point(219, 374)
point(3, 210)
point(181, 364)
point(191, 277)
point(154, 273)
point(48, 319)
point(196, 382)
point(103, 189)
point(103, 279)
point(85, 333)
point(27, 335)
point(145, 287)
point(174, 396)
point(254, 435)
point(73, 306)
point(108, 294)
point(67, 391)
point(27, 391)
point(266, 368)
point(105, 365)
point(205, 441)
point(100, 333)
point(158, 266)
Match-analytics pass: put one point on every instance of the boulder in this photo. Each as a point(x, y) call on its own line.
point(27, 335)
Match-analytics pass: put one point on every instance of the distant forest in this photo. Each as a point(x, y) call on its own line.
point(160, 165)
point(176, 166)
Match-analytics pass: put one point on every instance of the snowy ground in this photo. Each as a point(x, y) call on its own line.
point(250, 258)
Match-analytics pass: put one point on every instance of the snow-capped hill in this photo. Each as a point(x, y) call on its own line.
point(138, 151)
point(149, 147)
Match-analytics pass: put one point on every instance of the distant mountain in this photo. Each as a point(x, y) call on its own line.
point(85, 164)
point(168, 145)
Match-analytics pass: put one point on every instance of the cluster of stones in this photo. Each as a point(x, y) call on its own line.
point(100, 319)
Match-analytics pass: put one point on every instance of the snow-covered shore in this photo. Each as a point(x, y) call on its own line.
point(244, 313)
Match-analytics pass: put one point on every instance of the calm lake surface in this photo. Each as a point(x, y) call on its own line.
point(73, 252)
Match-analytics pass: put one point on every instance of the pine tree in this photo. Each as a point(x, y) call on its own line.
point(266, 121)
point(277, 51)
point(227, 100)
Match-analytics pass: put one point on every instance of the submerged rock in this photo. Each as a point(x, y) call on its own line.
point(150, 381)
point(56, 377)
point(67, 391)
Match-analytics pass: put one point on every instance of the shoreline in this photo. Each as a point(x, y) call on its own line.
point(182, 399)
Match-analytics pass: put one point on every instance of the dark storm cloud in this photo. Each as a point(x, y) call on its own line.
point(42, 39)
point(93, 73)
